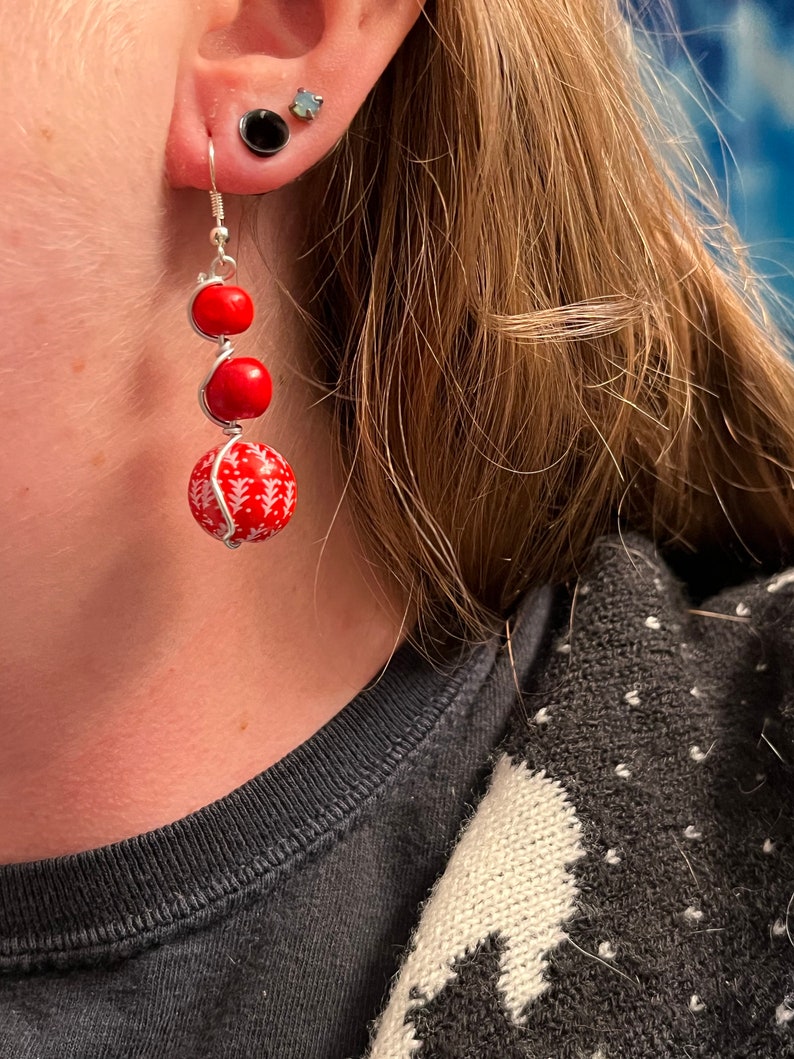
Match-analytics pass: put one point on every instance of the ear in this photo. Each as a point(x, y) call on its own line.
point(242, 55)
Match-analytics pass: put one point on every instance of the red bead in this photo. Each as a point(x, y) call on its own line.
point(258, 486)
point(240, 389)
point(221, 310)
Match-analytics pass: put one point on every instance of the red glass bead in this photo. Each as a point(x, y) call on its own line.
point(241, 388)
point(221, 310)
point(259, 488)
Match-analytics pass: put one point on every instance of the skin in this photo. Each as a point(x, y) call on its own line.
point(147, 670)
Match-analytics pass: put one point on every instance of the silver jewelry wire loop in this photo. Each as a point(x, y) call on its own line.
point(220, 498)
point(212, 164)
point(217, 204)
point(225, 351)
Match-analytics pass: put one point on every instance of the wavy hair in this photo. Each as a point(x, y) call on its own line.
point(534, 319)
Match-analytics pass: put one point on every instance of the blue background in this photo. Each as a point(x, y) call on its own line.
point(745, 51)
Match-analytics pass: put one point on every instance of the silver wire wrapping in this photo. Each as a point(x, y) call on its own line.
point(216, 489)
point(222, 261)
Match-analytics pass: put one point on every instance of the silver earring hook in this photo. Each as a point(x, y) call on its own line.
point(219, 235)
point(212, 164)
point(215, 195)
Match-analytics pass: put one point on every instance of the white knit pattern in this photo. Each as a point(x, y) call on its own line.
point(507, 876)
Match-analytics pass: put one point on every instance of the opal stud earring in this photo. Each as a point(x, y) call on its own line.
point(264, 132)
point(306, 105)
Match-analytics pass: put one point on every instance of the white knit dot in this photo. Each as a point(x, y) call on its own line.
point(768, 846)
point(652, 622)
point(692, 914)
point(761, 667)
point(692, 833)
point(606, 952)
point(696, 693)
point(623, 771)
point(695, 1003)
point(563, 648)
point(612, 856)
point(742, 610)
point(542, 716)
point(781, 581)
point(696, 753)
point(784, 1014)
point(779, 928)
point(632, 697)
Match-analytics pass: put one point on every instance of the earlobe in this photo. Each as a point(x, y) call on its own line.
point(259, 55)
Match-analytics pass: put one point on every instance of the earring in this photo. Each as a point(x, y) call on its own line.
point(306, 105)
point(264, 132)
point(241, 490)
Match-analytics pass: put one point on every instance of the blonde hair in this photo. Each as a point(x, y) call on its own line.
point(534, 318)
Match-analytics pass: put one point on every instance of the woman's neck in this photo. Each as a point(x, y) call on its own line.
point(147, 670)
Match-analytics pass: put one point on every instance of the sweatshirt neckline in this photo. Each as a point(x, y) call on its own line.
point(128, 893)
point(119, 898)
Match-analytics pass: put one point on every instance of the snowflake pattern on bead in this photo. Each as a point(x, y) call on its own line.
point(237, 493)
point(258, 486)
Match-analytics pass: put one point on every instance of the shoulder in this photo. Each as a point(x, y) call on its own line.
point(625, 885)
point(631, 648)
point(668, 723)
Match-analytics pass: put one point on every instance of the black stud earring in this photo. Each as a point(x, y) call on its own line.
point(264, 132)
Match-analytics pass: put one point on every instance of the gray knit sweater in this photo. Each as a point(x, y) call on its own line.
point(626, 886)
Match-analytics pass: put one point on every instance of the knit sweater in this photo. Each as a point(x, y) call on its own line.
point(626, 886)
point(612, 879)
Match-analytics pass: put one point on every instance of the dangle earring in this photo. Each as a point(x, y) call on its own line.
point(241, 490)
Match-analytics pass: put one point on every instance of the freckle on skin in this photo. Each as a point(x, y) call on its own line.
point(78, 365)
point(243, 725)
point(23, 492)
point(46, 132)
point(98, 460)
